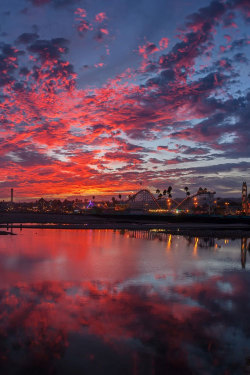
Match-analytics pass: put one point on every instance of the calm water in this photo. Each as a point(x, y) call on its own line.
point(112, 302)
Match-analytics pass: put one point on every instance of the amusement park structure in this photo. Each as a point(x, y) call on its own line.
point(203, 198)
point(145, 200)
point(201, 202)
point(244, 199)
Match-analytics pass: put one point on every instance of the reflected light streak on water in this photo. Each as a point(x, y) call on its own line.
point(127, 302)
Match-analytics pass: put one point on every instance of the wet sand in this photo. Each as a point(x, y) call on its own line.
point(20, 221)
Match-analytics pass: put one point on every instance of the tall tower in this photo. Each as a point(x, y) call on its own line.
point(244, 197)
point(11, 195)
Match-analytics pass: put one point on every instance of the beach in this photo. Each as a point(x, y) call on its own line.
point(223, 228)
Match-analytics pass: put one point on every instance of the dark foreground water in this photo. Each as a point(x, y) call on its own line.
point(111, 302)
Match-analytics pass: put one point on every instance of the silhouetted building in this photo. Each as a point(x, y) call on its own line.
point(244, 198)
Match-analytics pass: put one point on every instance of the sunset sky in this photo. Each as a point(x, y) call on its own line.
point(105, 96)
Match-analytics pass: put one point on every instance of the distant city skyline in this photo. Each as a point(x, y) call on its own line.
point(100, 98)
point(14, 197)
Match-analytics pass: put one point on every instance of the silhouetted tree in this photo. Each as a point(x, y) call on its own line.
point(169, 191)
point(187, 192)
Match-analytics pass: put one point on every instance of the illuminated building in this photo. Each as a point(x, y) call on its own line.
point(244, 199)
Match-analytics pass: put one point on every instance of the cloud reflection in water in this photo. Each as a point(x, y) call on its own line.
point(176, 323)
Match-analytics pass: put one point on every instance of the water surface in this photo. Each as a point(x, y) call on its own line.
point(123, 302)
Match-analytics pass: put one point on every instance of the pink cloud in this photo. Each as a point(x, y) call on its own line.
point(82, 24)
point(99, 65)
point(100, 17)
point(147, 49)
point(104, 31)
point(163, 43)
point(81, 13)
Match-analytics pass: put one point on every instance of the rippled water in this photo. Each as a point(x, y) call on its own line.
point(123, 302)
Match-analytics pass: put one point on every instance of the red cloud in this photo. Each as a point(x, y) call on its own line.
point(104, 31)
point(163, 43)
point(81, 13)
point(99, 65)
point(147, 49)
point(82, 24)
point(100, 17)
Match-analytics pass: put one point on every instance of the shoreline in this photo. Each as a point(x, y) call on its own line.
point(218, 231)
point(177, 225)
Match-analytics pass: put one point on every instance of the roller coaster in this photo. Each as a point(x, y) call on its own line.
point(190, 200)
point(145, 200)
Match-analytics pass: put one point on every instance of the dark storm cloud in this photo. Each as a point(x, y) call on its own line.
point(210, 82)
point(166, 76)
point(197, 39)
point(24, 71)
point(50, 49)
point(196, 151)
point(27, 38)
point(8, 63)
point(209, 14)
point(227, 167)
point(198, 27)
point(31, 158)
point(206, 131)
point(240, 43)
point(233, 119)
point(228, 20)
point(198, 36)
point(184, 53)
point(243, 5)
point(50, 68)
point(224, 64)
point(240, 58)
point(24, 155)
